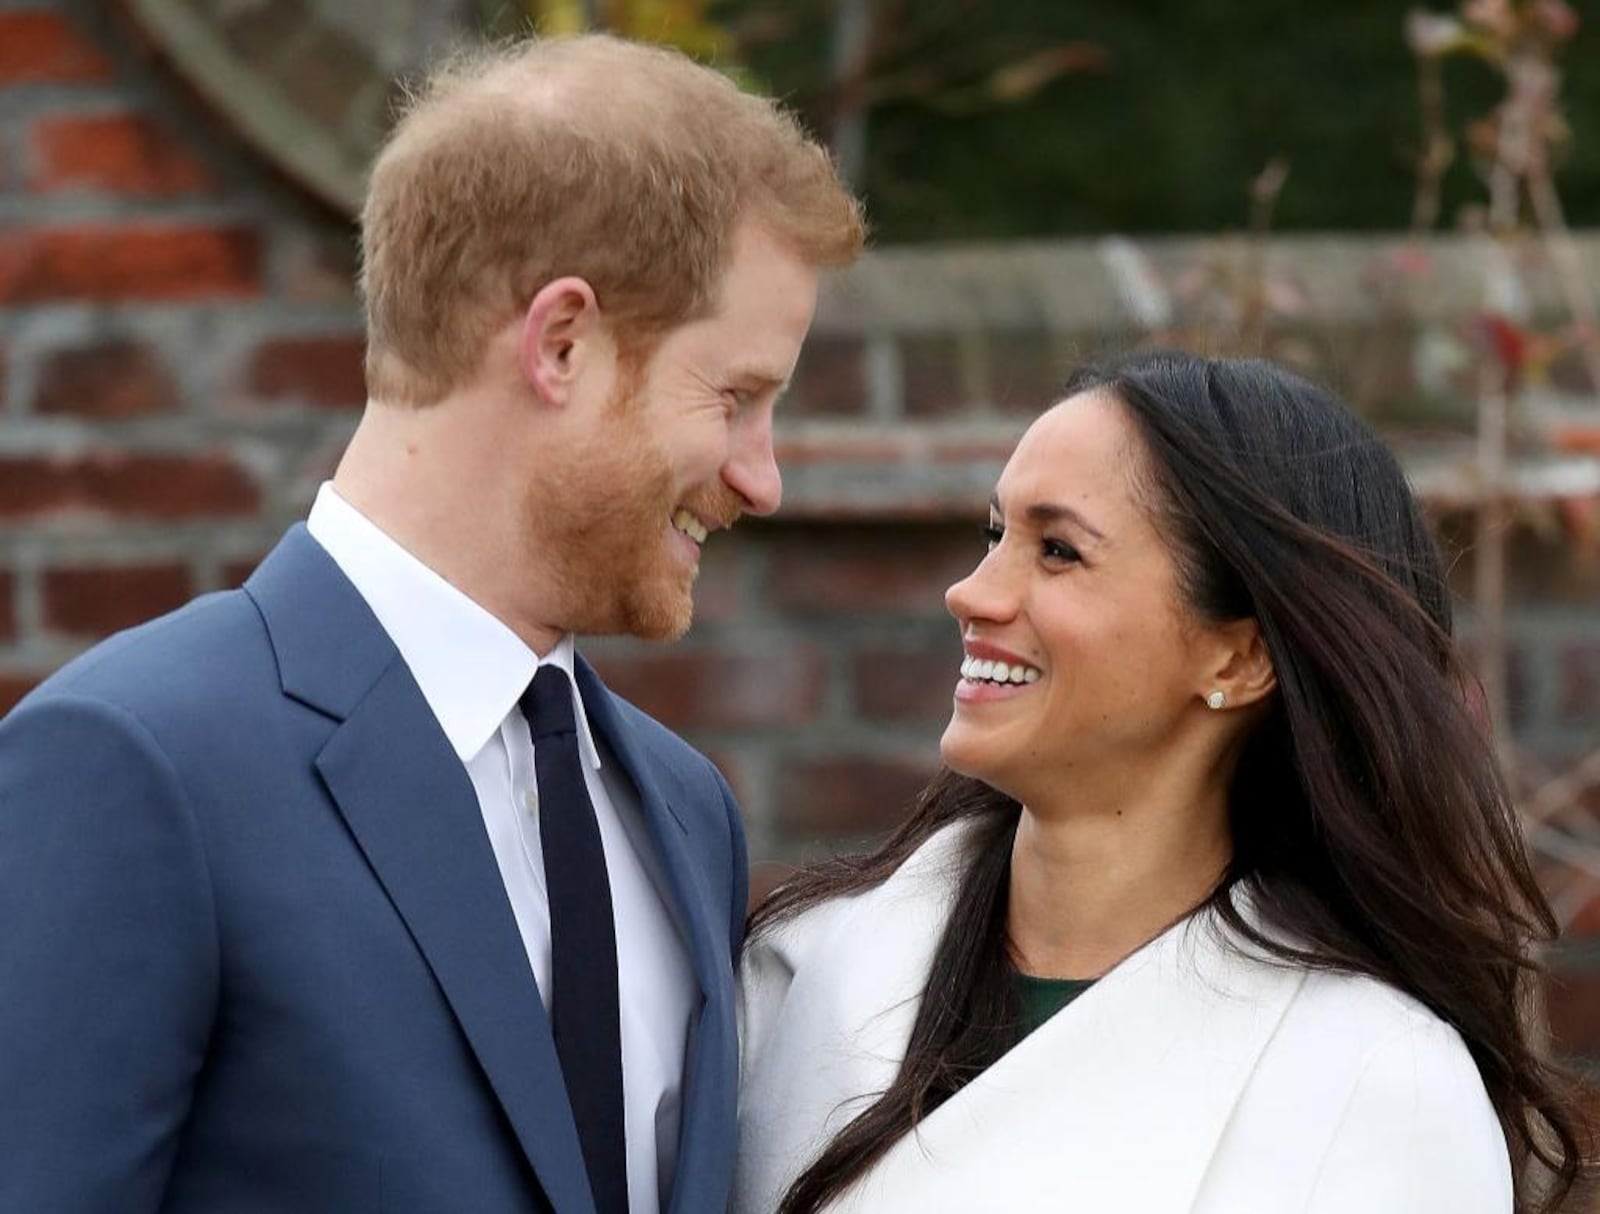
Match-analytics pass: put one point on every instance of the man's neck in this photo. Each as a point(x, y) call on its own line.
point(409, 476)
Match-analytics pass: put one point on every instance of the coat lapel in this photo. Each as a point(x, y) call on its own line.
point(411, 808)
point(709, 1083)
point(1116, 1104)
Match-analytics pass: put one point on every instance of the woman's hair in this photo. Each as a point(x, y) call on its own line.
point(627, 165)
point(1370, 822)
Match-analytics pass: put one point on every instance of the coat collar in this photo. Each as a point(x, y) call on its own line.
point(1118, 1102)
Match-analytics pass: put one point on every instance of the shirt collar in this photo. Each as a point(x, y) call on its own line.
point(470, 667)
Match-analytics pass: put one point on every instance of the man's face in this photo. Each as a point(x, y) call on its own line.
point(683, 447)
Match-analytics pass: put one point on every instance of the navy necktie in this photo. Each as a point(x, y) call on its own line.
point(584, 1011)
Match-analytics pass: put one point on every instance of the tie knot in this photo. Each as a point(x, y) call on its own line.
point(547, 704)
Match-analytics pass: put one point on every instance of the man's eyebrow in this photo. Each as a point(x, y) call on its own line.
point(1052, 512)
point(758, 376)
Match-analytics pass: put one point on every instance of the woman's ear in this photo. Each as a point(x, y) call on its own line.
point(1242, 670)
point(559, 332)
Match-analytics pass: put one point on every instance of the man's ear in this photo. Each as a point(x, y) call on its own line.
point(1242, 669)
point(560, 331)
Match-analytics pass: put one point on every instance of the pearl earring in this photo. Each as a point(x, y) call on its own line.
point(1216, 700)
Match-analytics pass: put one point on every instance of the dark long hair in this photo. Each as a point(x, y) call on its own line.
point(1369, 819)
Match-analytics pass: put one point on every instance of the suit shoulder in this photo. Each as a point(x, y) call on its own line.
point(206, 651)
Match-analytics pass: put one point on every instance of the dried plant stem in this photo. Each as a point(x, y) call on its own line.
point(1434, 157)
point(1489, 571)
point(1569, 271)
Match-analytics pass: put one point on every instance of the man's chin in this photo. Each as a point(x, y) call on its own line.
point(661, 616)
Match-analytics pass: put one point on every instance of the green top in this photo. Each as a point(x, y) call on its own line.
point(1042, 998)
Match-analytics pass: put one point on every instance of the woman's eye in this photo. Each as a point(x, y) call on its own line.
point(992, 534)
point(1060, 550)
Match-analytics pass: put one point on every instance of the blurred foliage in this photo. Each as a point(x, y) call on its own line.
point(1163, 121)
point(1014, 118)
point(685, 24)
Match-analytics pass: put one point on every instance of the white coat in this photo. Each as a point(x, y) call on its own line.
point(1193, 1077)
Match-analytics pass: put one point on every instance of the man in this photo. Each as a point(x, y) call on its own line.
point(355, 889)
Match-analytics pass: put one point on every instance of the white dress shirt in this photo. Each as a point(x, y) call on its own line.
point(472, 670)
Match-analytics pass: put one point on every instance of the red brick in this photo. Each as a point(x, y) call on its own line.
point(126, 154)
point(733, 771)
point(1026, 373)
point(313, 269)
point(8, 607)
point(1573, 1005)
point(97, 601)
point(830, 379)
point(931, 375)
point(118, 379)
point(321, 371)
point(236, 573)
point(1578, 697)
point(1580, 437)
point(766, 876)
point(896, 683)
point(13, 687)
point(719, 590)
point(689, 690)
point(135, 486)
point(39, 47)
point(898, 570)
point(849, 798)
point(124, 262)
point(1585, 921)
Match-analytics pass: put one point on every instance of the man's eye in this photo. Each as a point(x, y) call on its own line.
point(992, 534)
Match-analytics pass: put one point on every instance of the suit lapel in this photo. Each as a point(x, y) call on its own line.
point(706, 1132)
point(409, 804)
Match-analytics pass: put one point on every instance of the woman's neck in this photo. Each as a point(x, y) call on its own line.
point(1090, 887)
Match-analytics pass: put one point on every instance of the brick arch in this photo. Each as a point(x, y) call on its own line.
point(310, 84)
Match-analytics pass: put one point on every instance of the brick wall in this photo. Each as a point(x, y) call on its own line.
point(180, 367)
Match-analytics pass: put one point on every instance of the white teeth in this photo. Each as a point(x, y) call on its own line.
point(690, 526)
point(980, 670)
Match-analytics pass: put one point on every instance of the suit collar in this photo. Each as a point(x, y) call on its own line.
point(471, 667)
point(330, 647)
point(409, 804)
point(412, 811)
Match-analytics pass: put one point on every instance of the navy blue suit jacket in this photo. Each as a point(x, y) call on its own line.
point(255, 951)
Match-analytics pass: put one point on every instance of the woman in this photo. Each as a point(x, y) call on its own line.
point(1220, 905)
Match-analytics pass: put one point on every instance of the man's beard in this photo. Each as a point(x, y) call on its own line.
point(604, 533)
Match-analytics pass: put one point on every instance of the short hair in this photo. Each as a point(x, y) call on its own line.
point(624, 164)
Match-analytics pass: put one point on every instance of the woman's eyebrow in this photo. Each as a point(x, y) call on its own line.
point(1052, 512)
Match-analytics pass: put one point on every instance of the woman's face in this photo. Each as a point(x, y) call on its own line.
point(1078, 598)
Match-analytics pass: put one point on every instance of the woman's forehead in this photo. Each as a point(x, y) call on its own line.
point(1084, 444)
